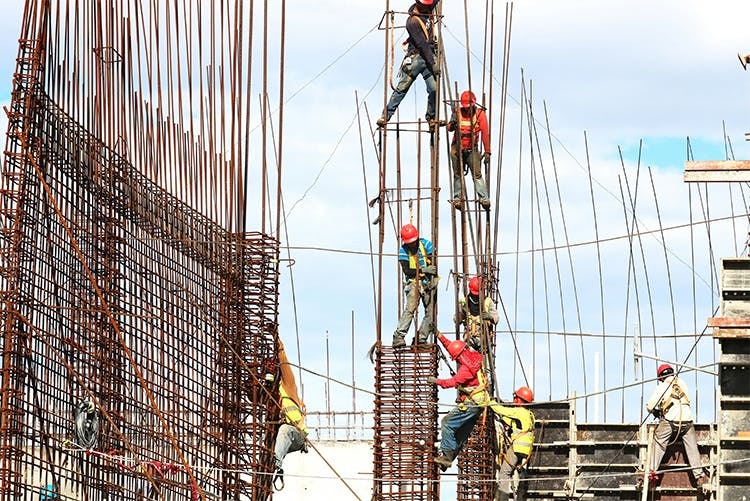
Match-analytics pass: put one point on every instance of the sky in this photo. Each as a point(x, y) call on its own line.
point(616, 78)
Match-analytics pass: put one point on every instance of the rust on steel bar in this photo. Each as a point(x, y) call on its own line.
point(405, 434)
point(137, 322)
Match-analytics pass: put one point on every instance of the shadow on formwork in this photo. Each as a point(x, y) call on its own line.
point(134, 329)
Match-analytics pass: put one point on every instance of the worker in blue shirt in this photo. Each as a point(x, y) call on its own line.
point(415, 257)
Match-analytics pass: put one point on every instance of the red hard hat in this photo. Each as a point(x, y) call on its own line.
point(426, 2)
point(664, 370)
point(409, 233)
point(474, 285)
point(468, 99)
point(455, 348)
point(524, 393)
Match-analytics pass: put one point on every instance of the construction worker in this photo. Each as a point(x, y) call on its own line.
point(456, 426)
point(472, 316)
point(419, 60)
point(415, 256)
point(292, 433)
point(669, 402)
point(469, 122)
point(518, 427)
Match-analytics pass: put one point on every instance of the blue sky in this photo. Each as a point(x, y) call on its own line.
point(618, 72)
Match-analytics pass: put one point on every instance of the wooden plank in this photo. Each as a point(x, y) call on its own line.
point(729, 322)
point(717, 171)
point(726, 333)
point(717, 165)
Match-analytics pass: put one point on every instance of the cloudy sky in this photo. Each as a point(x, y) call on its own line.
point(612, 76)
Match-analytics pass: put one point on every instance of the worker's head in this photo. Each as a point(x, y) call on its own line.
point(468, 99)
point(523, 395)
point(664, 371)
point(474, 285)
point(455, 348)
point(409, 234)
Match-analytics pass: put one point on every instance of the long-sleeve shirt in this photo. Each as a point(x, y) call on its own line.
point(417, 40)
point(673, 401)
point(471, 123)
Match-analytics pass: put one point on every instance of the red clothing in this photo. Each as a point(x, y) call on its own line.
point(467, 376)
point(470, 124)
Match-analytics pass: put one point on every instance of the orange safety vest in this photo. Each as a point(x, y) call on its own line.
point(468, 130)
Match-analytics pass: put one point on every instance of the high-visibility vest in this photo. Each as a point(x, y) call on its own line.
point(414, 258)
point(519, 422)
point(468, 130)
point(292, 413)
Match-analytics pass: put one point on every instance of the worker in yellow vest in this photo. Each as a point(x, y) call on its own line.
point(292, 434)
point(473, 316)
point(518, 424)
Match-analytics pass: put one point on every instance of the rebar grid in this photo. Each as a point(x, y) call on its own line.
point(476, 463)
point(114, 292)
point(405, 416)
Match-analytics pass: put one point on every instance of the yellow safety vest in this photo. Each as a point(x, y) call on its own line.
point(520, 422)
point(292, 413)
point(414, 258)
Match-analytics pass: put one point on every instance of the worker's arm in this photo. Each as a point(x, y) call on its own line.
point(656, 396)
point(463, 376)
point(519, 414)
point(491, 310)
point(484, 130)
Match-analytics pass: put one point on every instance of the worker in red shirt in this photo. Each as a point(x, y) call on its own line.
point(469, 121)
point(456, 426)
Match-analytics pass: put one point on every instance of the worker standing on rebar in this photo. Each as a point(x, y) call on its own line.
point(518, 437)
point(473, 316)
point(456, 426)
point(292, 434)
point(419, 60)
point(415, 257)
point(669, 402)
point(470, 122)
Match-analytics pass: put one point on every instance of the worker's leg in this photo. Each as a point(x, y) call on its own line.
point(662, 435)
point(690, 442)
point(288, 439)
point(410, 68)
point(412, 300)
point(458, 174)
point(475, 161)
point(463, 430)
point(451, 424)
point(430, 84)
point(509, 461)
point(428, 321)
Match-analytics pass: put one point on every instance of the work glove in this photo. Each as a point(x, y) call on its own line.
point(431, 380)
point(486, 315)
point(459, 317)
point(656, 412)
point(430, 270)
point(486, 157)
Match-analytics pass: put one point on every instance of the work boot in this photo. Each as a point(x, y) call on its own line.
point(382, 121)
point(445, 459)
point(701, 481)
point(457, 204)
point(485, 202)
point(398, 343)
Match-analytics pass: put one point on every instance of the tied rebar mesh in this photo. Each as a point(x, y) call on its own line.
point(405, 433)
point(116, 292)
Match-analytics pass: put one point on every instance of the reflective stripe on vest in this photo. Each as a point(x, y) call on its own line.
point(468, 129)
point(522, 440)
point(291, 411)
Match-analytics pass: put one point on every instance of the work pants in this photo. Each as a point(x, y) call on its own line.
point(412, 66)
point(511, 460)
point(456, 426)
point(472, 159)
point(288, 439)
point(414, 290)
point(667, 432)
